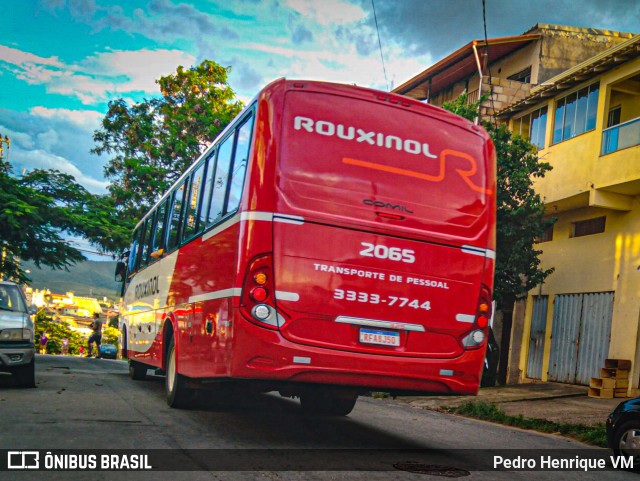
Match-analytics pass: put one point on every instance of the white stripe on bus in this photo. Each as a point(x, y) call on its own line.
point(400, 326)
point(257, 215)
point(253, 215)
point(208, 296)
point(288, 219)
point(465, 318)
point(287, 296)
point(478, 251)
point(225, 225)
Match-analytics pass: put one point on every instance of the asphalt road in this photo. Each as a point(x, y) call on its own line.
point(91, 404)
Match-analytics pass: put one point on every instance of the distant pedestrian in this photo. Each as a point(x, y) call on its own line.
point(96, 327)
point(65, 346)
point(43, 343)
point(81, 351)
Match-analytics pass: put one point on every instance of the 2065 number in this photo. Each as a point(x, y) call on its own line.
point(391, 253)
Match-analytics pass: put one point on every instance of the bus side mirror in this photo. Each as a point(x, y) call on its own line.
point(121, 271)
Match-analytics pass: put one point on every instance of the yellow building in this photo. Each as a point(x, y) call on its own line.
point(522, 76)
point(586, 122)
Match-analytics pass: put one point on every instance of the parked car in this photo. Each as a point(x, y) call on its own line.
point(623, 429)
point(17, 351)
point(108, 351)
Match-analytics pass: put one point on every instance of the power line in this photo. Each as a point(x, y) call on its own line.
point(375, 18)
point(92, 252)
point(87, 250)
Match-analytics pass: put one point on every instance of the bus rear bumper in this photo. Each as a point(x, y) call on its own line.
point(265, 355)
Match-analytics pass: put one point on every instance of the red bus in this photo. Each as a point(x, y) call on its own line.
point(333, 240)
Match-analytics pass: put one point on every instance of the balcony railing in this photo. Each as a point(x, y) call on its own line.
point(473, 96)
point(621, 136)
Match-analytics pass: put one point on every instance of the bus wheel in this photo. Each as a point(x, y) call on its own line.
point(178, 395)
point(328, 402)
point(137, 371)
point(123, 347)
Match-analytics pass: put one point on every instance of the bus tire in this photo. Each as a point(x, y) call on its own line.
point(124, 346)
point(178, 394)
point(326, 402)
point(137, 371)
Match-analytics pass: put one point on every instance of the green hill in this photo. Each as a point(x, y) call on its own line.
point(86, 279)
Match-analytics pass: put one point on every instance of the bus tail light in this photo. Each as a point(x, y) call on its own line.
point(258, 301)
point(475, 338)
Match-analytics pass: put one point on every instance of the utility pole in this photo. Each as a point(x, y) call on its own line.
point(3, 140)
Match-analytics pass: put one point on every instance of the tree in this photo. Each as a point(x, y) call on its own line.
point(155, 141)
point(520, 211)
point(38, 209)
point(56, 332)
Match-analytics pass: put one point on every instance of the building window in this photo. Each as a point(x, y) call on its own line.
point(547, 235)
point(588, 227)
point(614, 116)
point(522, 76)
point(532, 126)
point(576, 113)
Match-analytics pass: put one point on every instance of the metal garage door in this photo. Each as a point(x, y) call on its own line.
point(580, 336)
point(536, 337)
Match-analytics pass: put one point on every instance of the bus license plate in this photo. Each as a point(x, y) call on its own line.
point(382, 338)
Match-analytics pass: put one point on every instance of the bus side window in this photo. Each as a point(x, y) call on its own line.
point(157, 240)
point(146, 241)
point(133, 252)
point(191, 205)
point(207, 184)
point(174, 217)
point(240, 165)
point(220, 179)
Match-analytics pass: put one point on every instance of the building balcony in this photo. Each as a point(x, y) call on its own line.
point(621, 136)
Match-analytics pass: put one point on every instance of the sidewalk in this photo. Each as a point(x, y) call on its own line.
point(556, 402)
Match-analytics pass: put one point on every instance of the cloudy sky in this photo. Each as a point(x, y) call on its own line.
point(61, 61)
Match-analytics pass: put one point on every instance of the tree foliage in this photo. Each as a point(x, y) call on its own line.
point(39, 209)
point(520, 210)
point(153, 142)
point(56, 332)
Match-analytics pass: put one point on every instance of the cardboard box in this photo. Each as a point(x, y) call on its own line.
point(618, 364)
point(601, 393)
point(604, 383)
point(620, 392)
point(606, 372)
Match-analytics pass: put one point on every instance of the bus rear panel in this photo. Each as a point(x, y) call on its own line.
point(383, 245)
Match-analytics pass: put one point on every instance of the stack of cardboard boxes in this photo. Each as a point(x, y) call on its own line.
point(613, 380)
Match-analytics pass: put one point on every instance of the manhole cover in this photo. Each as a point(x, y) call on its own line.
point(432, 469)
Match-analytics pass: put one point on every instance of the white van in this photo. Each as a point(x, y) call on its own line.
point(17, 351)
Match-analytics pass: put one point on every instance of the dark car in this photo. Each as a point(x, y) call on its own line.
point(623, 429)
point(108, 351)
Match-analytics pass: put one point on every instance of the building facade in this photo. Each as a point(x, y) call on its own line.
point(506, 68)
point(574, 93)
point(586, 123)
